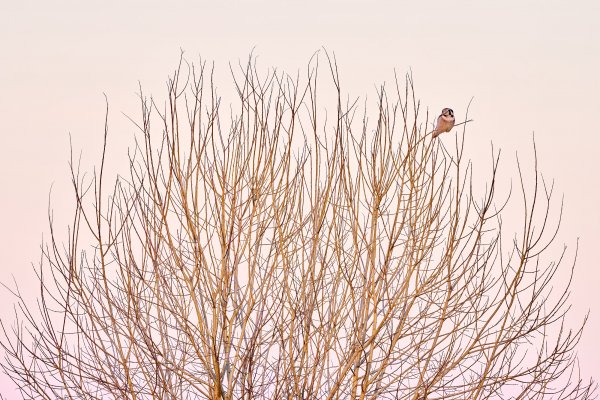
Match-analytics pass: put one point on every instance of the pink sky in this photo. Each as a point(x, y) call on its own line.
point(531, 68)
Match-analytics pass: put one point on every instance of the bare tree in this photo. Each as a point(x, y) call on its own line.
point(280, 252)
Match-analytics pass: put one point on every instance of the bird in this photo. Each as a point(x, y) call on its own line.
point(445, 122)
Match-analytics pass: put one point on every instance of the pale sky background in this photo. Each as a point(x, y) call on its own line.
point(531, 66)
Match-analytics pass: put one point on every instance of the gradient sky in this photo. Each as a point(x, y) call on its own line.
point(531, 67)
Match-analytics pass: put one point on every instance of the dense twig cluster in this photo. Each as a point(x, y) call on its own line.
point(278, 252)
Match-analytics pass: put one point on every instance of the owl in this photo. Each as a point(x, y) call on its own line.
point(445, 122)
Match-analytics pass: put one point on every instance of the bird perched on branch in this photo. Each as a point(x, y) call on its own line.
point(445, 122)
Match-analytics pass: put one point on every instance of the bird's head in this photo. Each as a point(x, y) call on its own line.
point(448, 112)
